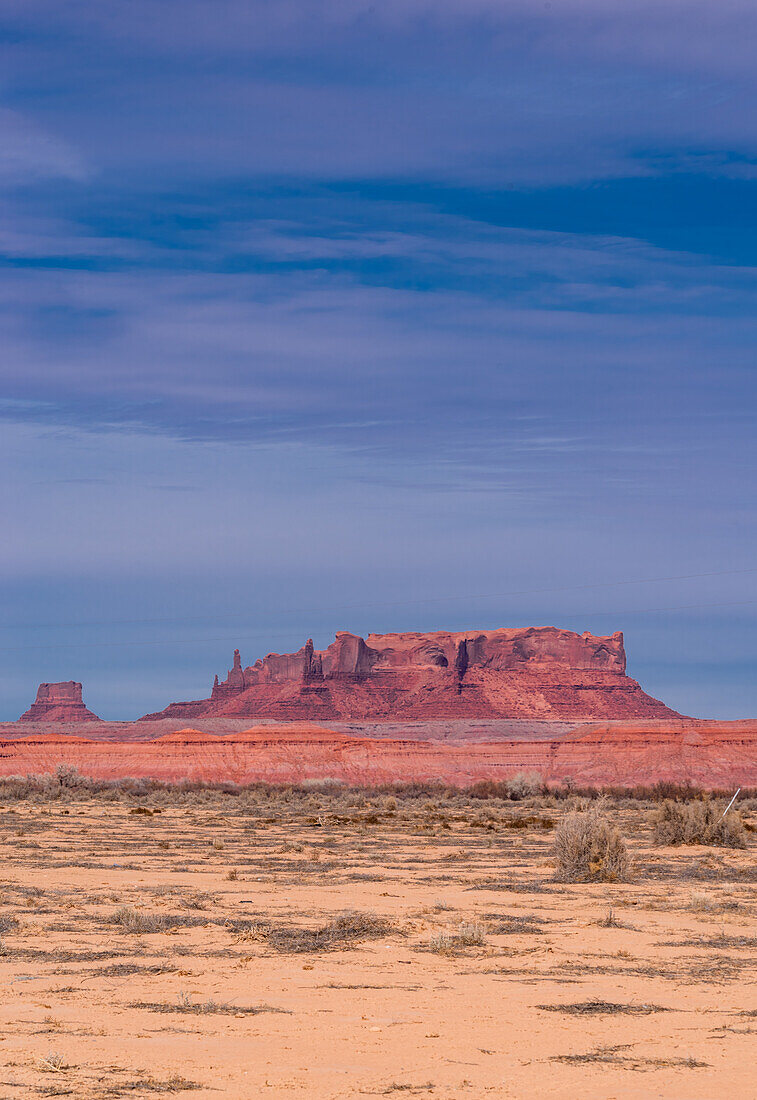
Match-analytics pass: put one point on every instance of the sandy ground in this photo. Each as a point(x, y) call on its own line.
point(229, 999)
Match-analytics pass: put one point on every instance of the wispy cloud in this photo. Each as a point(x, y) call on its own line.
point(497, 92)
point(30, 153)
point(348, 297)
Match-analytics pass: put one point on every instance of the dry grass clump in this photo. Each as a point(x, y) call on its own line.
point(519, 925)
point(152, 1084)
point(186, 1006)
point(698, 823)
point(610, 1056)
point(196, 900)
point(128, 919)
point(711, 903)
point(588, 848)
point(529, 821)
point(346, 929)
point(53, 1063)
point(469, 934)
point(603, 1008)
point(609, 920)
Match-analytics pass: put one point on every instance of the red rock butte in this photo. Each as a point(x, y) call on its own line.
point(59, 703)
point(535, 672)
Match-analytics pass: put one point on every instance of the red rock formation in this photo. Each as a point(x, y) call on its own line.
point(711, 754)
point(539, 672)
point(59, 703)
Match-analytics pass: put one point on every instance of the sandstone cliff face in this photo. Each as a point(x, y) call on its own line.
point(712, 754)
point(538, 672)
point(59, 703)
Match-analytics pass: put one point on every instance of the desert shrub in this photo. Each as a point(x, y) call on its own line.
point(53, 1063)
point(345, 929)
point(524, 785)
point(469, 934)
point(588, 848)
point(698, 823)
point(128, 919)
point(197, 899)
point(521, 785)
point(664, 790)
point(68, 776)
point(327, 784)
point(488, 788)
point(187, 1006)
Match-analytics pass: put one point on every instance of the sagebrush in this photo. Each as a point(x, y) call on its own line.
point(589, 848)
point(698, 823)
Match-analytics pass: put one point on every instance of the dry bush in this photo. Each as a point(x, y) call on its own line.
point(53, 1063)
point(128, 919)
point(588, 848)
point(521, 785)
point(197, 899)
point(187, 1006)
point(704, 903)
point(529, 821)
point(469, 934)
point(698, 823)
point(152, 1084)
point(524, 785)
point(346, 929)
point(609, 920)
point(712, 903)
point(603, 1008)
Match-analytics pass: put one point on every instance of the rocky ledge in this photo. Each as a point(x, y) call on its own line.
point(713, 754)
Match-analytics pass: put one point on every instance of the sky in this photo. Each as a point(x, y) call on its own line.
point(325, 315)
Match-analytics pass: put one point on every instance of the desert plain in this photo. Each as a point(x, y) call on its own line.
point(328, 942)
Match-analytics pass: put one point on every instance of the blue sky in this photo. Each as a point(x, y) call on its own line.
point(341, 315)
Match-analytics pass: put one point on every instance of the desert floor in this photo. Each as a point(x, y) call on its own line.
point(190, 944)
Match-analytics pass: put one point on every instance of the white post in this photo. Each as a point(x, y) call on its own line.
point(725, 811)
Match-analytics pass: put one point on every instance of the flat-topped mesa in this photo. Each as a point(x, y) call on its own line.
point(59, 703)
point(533, 672)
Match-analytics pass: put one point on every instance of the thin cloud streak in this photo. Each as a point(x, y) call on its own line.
point(389, 299)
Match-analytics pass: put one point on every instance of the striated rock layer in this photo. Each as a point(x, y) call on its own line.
point(710, 754)
point(59, 703)
point(535, 672)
